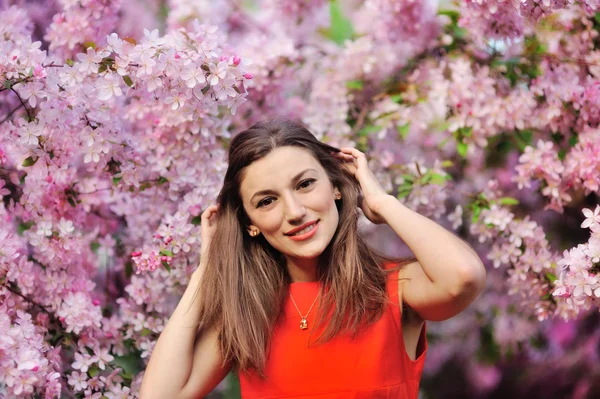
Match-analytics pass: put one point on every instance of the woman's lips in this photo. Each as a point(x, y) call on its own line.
point(307, 235)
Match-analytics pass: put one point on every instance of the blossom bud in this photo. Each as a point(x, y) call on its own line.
point(42, 319)
point(165, 258)
point(168, 239)
point(48, 179)
point(35, 368)
point(248, 76)
point(223, 58)
point(95, 302)
point(236, 60)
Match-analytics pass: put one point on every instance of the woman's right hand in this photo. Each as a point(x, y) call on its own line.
point(208, 226)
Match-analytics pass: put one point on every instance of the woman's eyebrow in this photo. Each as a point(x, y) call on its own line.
point(294, 180)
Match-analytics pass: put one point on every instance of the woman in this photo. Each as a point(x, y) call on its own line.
point(288, 295)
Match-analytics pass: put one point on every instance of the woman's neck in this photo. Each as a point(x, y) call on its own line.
point(302, 270)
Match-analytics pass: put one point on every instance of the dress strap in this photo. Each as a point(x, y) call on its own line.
point(392, 291)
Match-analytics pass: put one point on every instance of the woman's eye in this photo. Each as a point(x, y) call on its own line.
point(264, 202)
point(306, 183)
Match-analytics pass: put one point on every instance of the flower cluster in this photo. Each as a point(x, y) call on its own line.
point(113, 140)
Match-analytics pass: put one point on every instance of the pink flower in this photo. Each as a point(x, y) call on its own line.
point(78, 380)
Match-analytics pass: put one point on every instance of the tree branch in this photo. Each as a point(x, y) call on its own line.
point(29, 116)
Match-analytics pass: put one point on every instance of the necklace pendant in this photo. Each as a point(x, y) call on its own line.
point(303, 324)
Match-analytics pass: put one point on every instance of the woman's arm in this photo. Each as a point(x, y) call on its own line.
point(448, 275)
point(184, 364)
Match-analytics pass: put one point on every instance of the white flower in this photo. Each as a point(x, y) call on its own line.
point(217, 72)
point(108, 87)
point(592, 220)
point(193, 76)
point(44, 228)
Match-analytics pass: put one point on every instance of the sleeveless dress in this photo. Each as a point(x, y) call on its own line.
point(373, 365)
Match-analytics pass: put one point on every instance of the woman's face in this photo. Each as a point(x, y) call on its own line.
point(290, 201)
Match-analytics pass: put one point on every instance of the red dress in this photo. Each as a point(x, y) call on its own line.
point(374, 365)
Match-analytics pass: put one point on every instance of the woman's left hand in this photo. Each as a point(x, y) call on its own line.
point(373, 195)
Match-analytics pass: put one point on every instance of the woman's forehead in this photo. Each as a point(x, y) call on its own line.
point(280, 166)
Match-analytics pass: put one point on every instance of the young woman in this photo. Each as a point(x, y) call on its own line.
point(287, 293)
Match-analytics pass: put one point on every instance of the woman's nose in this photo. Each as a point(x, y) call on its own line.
point(295, 211)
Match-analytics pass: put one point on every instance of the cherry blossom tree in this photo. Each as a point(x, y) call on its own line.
point(114, 123)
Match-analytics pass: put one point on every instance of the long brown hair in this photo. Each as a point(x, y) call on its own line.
point(245, 284)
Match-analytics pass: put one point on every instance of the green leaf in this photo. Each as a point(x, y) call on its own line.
point(404, 193)
point(102, 68)
point(162, 180)
point(116, 180)
point(93, 371)
point(397, 98)
point(508, 201)
point(196, 220)
point(94, 245)
point(551, 277)
point(408, 178)
point(355, 84)
point(128, 80)
point(23, 227)
point(130, 363)
point(447, 163)
point(145, 332)
point(128, 269)
point(562, 153)
point(489, 350)
point(462, 148)
point(69, 62)
point(166, 266)
point(89, 44)
point(166, 252)
point(7, 84)
point(453, 14)
point(573, 140)
point(29, 161)
point(71, 202)
point(403, 130)
point(233, 389)
point(597, 17)
point(465, 131)
point(365, 131)
point(341, 28)
point(524, 138)
point(476, 212)
point(438, 179)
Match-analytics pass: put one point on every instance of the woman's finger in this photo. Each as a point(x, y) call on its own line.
point(208, 212)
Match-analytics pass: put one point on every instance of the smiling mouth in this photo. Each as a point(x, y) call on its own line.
point(305, 228)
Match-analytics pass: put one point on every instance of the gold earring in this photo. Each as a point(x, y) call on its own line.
point(253, 233)
point(338, 196)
